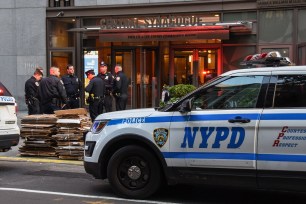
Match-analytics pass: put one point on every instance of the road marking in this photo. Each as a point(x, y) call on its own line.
point(41, 160)
point(82, 196)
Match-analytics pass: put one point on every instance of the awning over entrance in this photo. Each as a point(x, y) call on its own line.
point(217, 31)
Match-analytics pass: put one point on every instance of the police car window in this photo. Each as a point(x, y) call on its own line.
point(235, 92)
point(290, 91)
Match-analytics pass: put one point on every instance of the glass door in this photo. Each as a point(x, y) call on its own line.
point(127, 60)
point(195, 66)
point(60, 59)
point(146, 78)
point(139, 65)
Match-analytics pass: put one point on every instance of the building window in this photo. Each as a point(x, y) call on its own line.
point(59, 37)
point(61, 3)
point(275, 26)
point(66, 2)
point(233, 55)
point(57, 3)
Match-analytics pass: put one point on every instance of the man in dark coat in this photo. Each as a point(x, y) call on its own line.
point(31, 92)
point(108, 80)
point(73, 86)
point(52, 92)
point(96, 89)
point(120, 88)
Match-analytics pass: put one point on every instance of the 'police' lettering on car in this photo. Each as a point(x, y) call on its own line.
point(133, 120)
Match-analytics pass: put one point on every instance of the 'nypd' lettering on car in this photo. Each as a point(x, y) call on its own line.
point(222, 133)
point(7, 99)
point(133, 120)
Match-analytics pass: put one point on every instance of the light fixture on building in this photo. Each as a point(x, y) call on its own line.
point(60, 14)
point(92, 28)
point(209, 58)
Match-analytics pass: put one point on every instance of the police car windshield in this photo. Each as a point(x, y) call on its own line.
point(170, 106)
point(4, 91)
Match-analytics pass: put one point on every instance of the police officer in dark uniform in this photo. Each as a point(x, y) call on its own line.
point(73, 86)
point(108, 80)
point(96, 89)
point(120, 88)
point(52, 92)
point(31, 92)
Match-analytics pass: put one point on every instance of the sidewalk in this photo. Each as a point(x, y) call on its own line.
point(13, 154)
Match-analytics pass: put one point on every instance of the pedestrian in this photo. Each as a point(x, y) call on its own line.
point(165, 94)
point(96, 89)
point(52, 92)
point(120, 88)
point(108, 80)
point(31, 92)
point(73, 86)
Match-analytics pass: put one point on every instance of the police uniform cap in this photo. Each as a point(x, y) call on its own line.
point(91, 71)
point(102, 64)
point(39, 71)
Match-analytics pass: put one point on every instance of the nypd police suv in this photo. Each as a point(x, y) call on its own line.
point(9, 130)
point(245, 128)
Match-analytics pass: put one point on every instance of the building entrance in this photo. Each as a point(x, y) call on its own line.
point(139, 64)
point(194, 66)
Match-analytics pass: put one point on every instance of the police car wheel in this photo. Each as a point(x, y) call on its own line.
point(133, 172)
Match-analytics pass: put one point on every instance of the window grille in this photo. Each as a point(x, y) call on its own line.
point(61, 3)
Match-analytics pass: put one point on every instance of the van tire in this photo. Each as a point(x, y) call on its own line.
point(134, 172)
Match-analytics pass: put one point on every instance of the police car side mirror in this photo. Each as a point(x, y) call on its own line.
point(185, 106)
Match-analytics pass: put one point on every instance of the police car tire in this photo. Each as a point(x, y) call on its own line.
point(125, 159)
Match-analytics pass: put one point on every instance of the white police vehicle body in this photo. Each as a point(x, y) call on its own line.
point(245, 128)
point(9, 130)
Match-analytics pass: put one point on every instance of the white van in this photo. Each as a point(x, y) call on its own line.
point(9, 130)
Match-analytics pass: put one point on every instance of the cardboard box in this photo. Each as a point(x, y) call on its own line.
point(76, 111)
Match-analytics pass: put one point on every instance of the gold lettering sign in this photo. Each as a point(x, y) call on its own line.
point(150, 22)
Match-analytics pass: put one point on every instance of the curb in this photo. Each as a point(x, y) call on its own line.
point(40, 160)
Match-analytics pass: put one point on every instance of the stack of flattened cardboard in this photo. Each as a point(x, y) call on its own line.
point(72, 125)
point(37, 131)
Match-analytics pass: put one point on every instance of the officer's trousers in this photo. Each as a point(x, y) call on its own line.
point(50, 106)
point(95, 108)
point(73, 102)
point(34, 107)
point(121, 102)
point(108, 103)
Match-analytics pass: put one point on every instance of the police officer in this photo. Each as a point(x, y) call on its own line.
point(108, 80)
point(96, 89)
point(31, 92)
point(120, 88)
point(52, 92)
point(73, 86)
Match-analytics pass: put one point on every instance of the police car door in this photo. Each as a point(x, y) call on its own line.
point(282, 133)
point(222, 126)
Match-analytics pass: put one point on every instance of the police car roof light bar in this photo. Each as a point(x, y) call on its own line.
point(270, 59)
